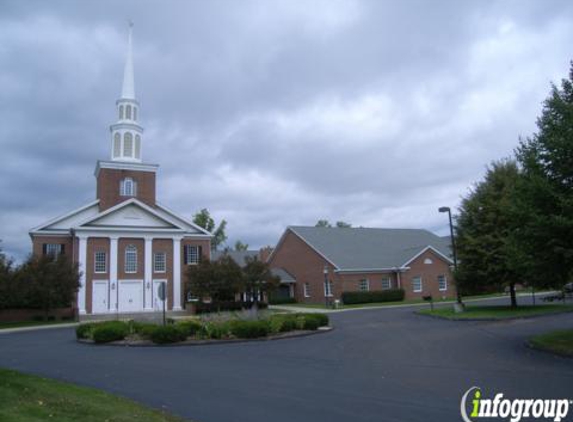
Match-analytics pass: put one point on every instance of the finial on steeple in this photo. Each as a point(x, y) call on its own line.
point(128, 88)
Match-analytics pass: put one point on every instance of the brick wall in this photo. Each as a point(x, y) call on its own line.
point(108, 184)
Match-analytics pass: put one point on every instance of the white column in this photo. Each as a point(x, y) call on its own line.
point(176, 273)
point(82, 259)
point(113, 273)
point(148, 272)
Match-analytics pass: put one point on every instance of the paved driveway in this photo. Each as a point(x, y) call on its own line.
point(377, 365)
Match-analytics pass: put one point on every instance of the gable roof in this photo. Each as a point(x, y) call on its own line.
point(130, 214)
point(370, 248)
point(240, 257)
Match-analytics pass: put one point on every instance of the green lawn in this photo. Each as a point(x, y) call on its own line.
point(496, 312)
point(560, 342)
point(26, 398)
point(31, 323)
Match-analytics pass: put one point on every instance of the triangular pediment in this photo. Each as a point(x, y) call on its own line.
point(131, 215)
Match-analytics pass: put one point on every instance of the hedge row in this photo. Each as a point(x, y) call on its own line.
point(281, 300)
point(205, 308)
point(105, 332)
point(390, 295)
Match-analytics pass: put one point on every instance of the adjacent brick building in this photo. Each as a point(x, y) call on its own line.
point(324, 262)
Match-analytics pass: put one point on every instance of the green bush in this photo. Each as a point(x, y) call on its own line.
point(143, 329)
point(281, 300)
point(84, 331)
point(282, 323)
point(168, 334)
point(249, 329)
point(390, 295)
point(215, 330)
point(191, 327)
point(313, 321)
point(108, 331)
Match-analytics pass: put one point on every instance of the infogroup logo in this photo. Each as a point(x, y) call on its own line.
point(513, 410)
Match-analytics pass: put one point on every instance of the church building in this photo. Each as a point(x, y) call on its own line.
point(126, 243)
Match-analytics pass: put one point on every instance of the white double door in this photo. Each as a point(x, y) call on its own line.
point(100, 300)
point(130, 295)
point(157, 302)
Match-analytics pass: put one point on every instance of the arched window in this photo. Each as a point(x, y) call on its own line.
point(134, 113)
point(130, 259)
point(128, 187)
point(137, 146)
point(128, 112)
point(128, 145)
point(116, 145)
point(120, 112)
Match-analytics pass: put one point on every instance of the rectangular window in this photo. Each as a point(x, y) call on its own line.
point(131, 259)
point(306, 288)
point(364, 285)
point(100, 262)
point(442, 283)
point(328, 289)
point(53, 249)
point(159, 262)
point(191, 254)
point(417, 284)
point(386, 283)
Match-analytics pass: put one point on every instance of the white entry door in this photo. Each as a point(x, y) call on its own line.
point(157, 302)
point(130, 296)
point(100, 297)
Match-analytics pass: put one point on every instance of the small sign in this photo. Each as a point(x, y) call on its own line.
point(161, 291)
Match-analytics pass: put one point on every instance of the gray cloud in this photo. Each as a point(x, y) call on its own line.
point(274, 113)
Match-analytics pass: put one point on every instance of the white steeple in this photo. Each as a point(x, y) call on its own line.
point(128, 88)
point(126, 133)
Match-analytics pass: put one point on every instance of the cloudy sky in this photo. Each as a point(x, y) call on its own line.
point(271, 113)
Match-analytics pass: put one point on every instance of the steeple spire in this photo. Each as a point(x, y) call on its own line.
point(126, 133)
point(128, 88)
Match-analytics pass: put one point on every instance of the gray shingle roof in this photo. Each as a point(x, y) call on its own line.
point(284, 275)
point(370, 248)
point(238, 256)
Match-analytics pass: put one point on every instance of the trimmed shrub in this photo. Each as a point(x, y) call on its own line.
point(204, 308)
point(84, 331)
point(313, 321)
point(249, 329)
point(168, 334)
point(281, 300)
point(108, 331)
point(390, 295)
point(282, 323)
point(143, 329)
point(191, 327)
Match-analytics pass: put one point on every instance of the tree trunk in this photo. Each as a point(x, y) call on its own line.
point(513, 295)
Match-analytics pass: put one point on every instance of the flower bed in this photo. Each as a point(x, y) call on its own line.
point(197, 330)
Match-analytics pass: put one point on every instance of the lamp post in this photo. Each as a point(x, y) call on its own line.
point(325, 272)
point(459, 306)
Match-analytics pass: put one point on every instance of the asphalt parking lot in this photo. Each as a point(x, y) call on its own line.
point(376, 365)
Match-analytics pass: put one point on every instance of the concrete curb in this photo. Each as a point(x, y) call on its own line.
point(294, 334)
point(495, 319)
point(37, 327)
point(532, 346)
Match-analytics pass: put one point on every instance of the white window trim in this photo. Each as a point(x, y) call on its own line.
point(128, 248)
point(104, 262)
point(327, 289)
point(445, 283)
point(386, 286)
point(367, 284)
point(57, 249)
point(155, 270)
point(306, 289)
point(189, 254)
point(421, 285)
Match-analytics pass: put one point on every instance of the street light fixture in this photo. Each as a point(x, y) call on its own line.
point(459, 306)
point(325, 272)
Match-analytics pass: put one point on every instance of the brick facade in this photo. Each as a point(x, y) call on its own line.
point(108, 186)
point(307, 266)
